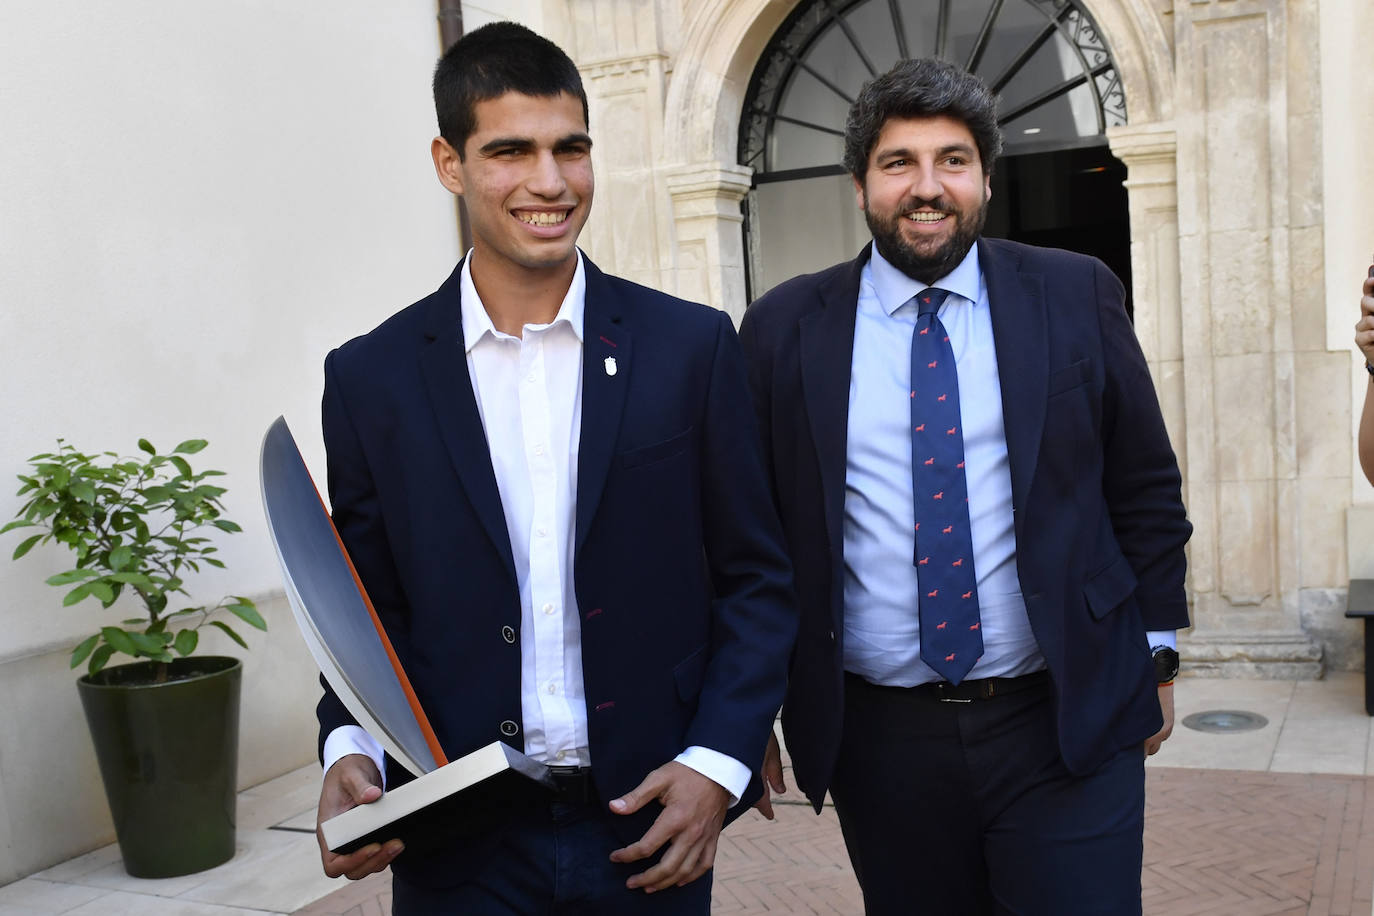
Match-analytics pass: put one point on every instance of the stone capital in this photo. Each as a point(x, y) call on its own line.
point(708, 189)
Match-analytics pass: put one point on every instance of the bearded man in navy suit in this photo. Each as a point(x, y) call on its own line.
point(984, 515)
point(549, 481)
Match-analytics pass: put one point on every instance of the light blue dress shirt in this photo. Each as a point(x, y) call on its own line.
point(882, 638)
point(882, 635)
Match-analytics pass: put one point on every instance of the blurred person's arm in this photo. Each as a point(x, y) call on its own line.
point(1364, 339)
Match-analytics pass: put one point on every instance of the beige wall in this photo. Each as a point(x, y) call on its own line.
point(199, 200)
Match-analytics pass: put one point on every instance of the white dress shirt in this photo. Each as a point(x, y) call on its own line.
point(882, 640)
point(529, 395)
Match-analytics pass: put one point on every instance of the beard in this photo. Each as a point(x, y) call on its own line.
point(887, 235)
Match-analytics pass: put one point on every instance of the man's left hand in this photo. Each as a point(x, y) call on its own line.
point(693, 813)
point(1166, 706)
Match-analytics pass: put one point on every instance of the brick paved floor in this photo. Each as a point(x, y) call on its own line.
point(1217, 843)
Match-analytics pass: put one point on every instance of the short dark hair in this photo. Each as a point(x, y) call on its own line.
point(922, 88)
point(486, 63)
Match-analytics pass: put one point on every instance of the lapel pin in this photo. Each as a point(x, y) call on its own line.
point(610, 365)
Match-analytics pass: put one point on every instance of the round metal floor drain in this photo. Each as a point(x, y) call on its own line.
point(1225, 720)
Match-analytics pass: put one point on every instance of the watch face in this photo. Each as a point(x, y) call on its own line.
point(1166, 664)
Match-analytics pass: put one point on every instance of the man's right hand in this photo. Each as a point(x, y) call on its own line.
point(772, 777)
point(353, 780)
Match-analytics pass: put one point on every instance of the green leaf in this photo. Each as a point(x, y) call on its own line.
point(75, 595)
point(120, 557)
point(190, 446)
point(223, 524)
point(186, 642)
point(183, 466)
point(99, 658)
point(213, 562)
point(83, 491)
point(72, 575)
point(26, 545)
point(25, 523)
point(147, 446)
point(247, 611)
point(130, 578)
point(121, 640)
point(102, 591)
point(147, 645)
point(83, 651)
point(229, 631)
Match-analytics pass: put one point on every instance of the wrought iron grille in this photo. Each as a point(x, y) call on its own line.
point(1057, 84)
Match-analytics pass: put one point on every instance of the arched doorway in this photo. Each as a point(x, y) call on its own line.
point(1059, 90)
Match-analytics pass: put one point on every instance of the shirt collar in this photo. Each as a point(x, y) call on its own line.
point(895, 289)
point(477, 323)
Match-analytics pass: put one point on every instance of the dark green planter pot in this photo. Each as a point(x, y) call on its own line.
point(168, 755)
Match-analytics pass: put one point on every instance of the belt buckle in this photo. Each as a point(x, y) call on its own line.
point(573, 784)
point(940, 694)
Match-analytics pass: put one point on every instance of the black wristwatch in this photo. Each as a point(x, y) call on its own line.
point(1166, 664)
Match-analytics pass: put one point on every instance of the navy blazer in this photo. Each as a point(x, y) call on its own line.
point(1099, 518)
point(682, 582)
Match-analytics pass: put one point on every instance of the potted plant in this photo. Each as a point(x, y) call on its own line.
point(165, 726)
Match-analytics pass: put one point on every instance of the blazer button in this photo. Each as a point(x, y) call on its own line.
point(508, 634)
point(509, 728)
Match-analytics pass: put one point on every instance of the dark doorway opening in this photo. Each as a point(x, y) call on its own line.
point(1067, 198)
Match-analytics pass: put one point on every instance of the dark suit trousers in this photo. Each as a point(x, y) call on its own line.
point(552, 860)
point(966, 809)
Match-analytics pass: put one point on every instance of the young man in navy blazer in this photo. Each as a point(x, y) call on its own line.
point(985, 519)
point(549, 481)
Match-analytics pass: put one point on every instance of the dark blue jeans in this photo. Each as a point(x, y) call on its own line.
point(552, 860)
point(966, 809)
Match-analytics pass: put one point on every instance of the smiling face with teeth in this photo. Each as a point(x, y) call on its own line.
point(924, 194)
point(525, 174)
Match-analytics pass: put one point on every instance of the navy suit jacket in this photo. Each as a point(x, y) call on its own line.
point(1099, 519)
point(682, 582)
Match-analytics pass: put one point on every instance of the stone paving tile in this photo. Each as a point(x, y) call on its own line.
point(1217, 843)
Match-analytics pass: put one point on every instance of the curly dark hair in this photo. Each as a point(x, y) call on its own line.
point(921, 88)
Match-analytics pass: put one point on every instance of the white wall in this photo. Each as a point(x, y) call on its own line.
point(197, 201)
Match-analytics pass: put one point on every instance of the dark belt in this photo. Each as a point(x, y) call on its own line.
point(986, 688)
point(573, 785)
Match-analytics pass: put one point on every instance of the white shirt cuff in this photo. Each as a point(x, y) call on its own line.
point(722, 769)
point(351, 739)
point(1163, 638)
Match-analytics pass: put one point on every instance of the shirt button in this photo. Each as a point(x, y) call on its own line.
point(560, 755)
point(548, 608)
point(541, 532)
point(553, 688)
point(509, 728)
point(539, 449)
point(530, 377)
point(508, 634)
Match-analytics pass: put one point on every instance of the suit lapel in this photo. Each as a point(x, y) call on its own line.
point(606, 368)
point(827, 350)
point(1020, 330)
point(443, 362)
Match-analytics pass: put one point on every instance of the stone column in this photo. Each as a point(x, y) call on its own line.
point(1150, 154)
point(1238, 196)
point(709, 262)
